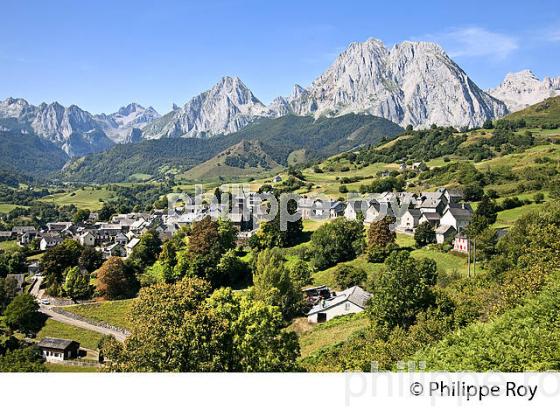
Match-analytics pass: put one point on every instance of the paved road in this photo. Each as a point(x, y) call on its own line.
point(36, 289)
point(79, 323)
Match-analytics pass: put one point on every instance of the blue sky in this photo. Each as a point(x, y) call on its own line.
point(104, 54)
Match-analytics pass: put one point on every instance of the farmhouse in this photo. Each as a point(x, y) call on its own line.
point(410, 219)
point(354, 208)
point(458, 218)
point(49, 240)
point(131, 245)
point(87, 239)
point(55, 350)
point(351, 300)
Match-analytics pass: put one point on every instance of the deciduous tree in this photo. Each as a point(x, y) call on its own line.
point(115, 280)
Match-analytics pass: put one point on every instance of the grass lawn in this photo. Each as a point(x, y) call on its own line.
point(9, 245)
point(445, 261)
point(311, 225)
point(315, 337)
point(87, 198)
point(405, 241)
point(326, 277)
point(508, 217)
point(114, 313)
point(86, 338)
point(60, 368)
point(5, 208)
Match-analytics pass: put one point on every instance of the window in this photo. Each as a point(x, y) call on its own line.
point(347, 306)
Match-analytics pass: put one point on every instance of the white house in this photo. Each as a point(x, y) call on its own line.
point(49, 240)
point(354, 208)
point(351, 300)
point(57, 350)
point(131, 245)
point(87, 239)
point(410, 220)
point(277, 179)
point(458, 218)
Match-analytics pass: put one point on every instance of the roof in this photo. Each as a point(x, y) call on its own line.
point(358, 205)
point(415, 212)
point(107, 226)
point(133, 242)
point(113, 246)
point(355, 294)
point(443, 229)
point(460, 213)
point(52, 343)
point(25, 228)
point(432, 216)
point(430, 203)
point(52, 236)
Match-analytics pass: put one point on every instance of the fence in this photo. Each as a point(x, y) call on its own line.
point(93, 322)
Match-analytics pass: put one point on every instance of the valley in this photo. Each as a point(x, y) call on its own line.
point(513, 162)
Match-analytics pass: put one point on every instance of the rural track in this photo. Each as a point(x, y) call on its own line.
point(120, 336)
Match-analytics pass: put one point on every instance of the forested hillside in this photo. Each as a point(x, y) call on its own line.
point(316, 139)
point(29, 154)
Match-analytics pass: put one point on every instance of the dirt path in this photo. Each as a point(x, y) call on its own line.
point(120, 336)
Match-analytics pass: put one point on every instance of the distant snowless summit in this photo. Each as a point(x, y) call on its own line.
point(522, 89)
point(411, 83)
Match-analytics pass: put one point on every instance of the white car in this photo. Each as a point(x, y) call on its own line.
point(45, 302)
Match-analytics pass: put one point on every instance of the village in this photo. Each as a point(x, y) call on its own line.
point(443, 209)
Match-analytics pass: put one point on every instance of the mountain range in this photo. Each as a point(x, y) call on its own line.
point(411, 83)
point(75, 131)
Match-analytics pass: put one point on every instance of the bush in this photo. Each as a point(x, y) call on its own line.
point(347, 276)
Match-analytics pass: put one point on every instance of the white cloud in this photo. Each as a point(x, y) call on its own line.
point(475, 41)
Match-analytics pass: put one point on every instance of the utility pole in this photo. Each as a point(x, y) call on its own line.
point(468, 257)
point(474, 256)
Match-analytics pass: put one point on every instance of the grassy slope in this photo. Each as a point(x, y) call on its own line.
point(445, 261)
point(315, 337)
point(9, 245)
point(326, 277)
point(216, 166)
point(5, 208)
point(546, 111)
point(86, 338)
point(87, 198)
point(114, 313)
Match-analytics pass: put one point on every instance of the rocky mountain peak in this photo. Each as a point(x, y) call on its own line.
point(225, 108)
point(523, 88)
point(411, 83)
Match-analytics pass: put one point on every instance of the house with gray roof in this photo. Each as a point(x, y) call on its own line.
point(458, 218)
point(57, 350)
point(351, 300)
